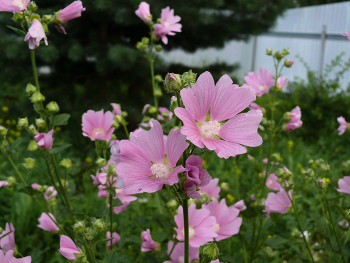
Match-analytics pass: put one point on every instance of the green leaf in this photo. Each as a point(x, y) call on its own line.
point(200, 151)
point(129, 241)
point(18, 31)
point(61, 119)
point(276, 242)
point(15, 144)
point(346, 250)
point(111, 190)
point(335, 198)
point(29, 190)
point(83, 170)
point(103, 240)
point(111, 257)
point(58, 149)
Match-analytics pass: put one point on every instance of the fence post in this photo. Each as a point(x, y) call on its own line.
point(323, 45)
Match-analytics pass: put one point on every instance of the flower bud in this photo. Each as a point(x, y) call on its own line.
point(158, 93)
point(210, 250)
point(37, 97)
point(288, 63)
point(158, 78)
point(79, 227)
point(3, 131)
point(32, 6)
point(173, 103)
point(165, 115)
point(159, 48)
point(172, 203)
point(22, 122)
point(287, 116)
point(140, 46)
point(324, 167)
point(66, 163)
point(172, 82)
point(278, 55)
point(308, 172)
point(99, 224)
point(285, 51)
point(276, 157)
point(32, 130)
point(269, 52)
point(40, 123)
point(189, 78)
point(52, 107)
point(152, 110)
point(224, 186)
point(322, 184)
point(90, 234)
point(35, 16)
point(145, 40)
point(81, 257)
point(47, 19)
point(252, 198)
point(29, 163)
point(101, 162)
point(11, 180)
point(18, 17)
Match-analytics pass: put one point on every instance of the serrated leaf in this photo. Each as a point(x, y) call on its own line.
point(61, 119)
point(29, 191)
point(18, 31)
point(58, 149)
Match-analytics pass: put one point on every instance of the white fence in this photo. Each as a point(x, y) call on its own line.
point(299, 29)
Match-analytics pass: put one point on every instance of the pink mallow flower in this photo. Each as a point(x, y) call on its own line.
point(178, 253)
point(346, 34)
point(272, 183)
point(97, 125)
point(168, 25)
point(148, 244)
point(46, 223)
point(147, 162)
point(240, 205)
point(344, 185)
point(36, 186)
point(207, 107)
point(35, 34)
point(3, 183)
point(211, 189)
point(50, 193)
point(343, 223)
point(277, 202)
point(68, 248)
point(195, 176)
point(254, 106)
point(9, 258)
point(295, 121)
point(125, 197)
point(13, 5)
point(45, 140)
point(165, 110)
point(70, 12)
point(7, 238)
point(115, 239)
point(200, 224)
point(227, 222)
point(343, 125)
point(143, 12)
point(282, 82)
point(116, 109)
point(261, 84)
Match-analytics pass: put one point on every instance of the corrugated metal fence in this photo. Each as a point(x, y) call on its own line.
point(313, 33)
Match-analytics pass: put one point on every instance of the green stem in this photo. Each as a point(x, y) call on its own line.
point(151, 61)
point(185, 212)
point(32, 56)
point(15, 167)
point(89, 252)
point(111, 214)
point(126, 130)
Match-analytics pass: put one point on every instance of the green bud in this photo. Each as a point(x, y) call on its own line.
point(40, 123)
point(224, 186)
point(1, 230)
point(172, 82)
point(140, 46)
point(320, 161)
point(3, 131)
point(11, 180)
point(32, 129)
point(173, 103)
point(287, 63)
point(165, 115)
point(158, 93)
point(30, 89)
point(47, 19)
point(124, 114)
point(322, 184)
point(308, 172)
point(152, 110)
point(99, 224)
point(32, 6)
point(29, 163)
point(116, 125)
point(145, 40)
point(276, 157)
point(159, 48)
point(101, 162)
point(324, 167)
point(66, 163)
point(18, 17)
point(287, 116)
point(113, 137)
point(158, 78)
point(111, 170)
point(90, 234)
point(35, 16)
point(172, 203)
point(285, 51)
point(269, 52)
point(52, 107)
point(22, 122)
point(37, 97)
point(210, 250)
point(278, 55)
point(4, 144)
point(81, 258)
point(189, 79)
point(118, 118)
point(79, 227)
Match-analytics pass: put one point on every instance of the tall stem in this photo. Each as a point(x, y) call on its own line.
point(15, 167)
point(111, 214)
point(32, 56)
point(187, 244)
point(59, 180)
point(90, 253)
point(151, 61)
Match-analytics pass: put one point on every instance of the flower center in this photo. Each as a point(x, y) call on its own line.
point(210, 128)
point(159, 170)
point(19, 3)
point(181, 259)
point(96, 132)
point(190, 232)
point(166, 24)
point(216, 227)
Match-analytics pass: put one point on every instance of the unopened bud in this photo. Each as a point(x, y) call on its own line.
point(66, 163)
point(276, 157)
point(35, 16)
point(53, 107)
point(101, 162)
point(288, 63)
point(3, 131)
point(22, 122)
point(152, 110)
point(40, 123)
point(252, 199)
point(30, 89)
point(269, 52)
point(79, 227)
point(159, 48)
point(46, 28)
point(285, 51)
point(224, 186)
point(90, 234)
point(278, 55)
point(165, 115)
point(32, 130)
point(172, 203)
point(172, 82)
point(158, 78)
point(158, 93)
point(18, 17)
point(308, 172)
point(99, 224)
point(145, 40)
point(210, 250)
point(47, 19)
point(37, 97)
point(322, 184)
point(140, 46)
point(173, 103)
point(11, 180)
point(32, 6)
point(324, 167)
point(29, 163)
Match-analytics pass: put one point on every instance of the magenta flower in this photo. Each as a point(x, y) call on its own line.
point(116, 109)
point(343, 125)
point(282, 82)
point(68, 248)
point(295, 121)
point(344, 185)
point(206, 108)
point(261, 84)
point(13, 5)
point(277, 202)
point(211, 189)
point(272, 183)
point(35, 34)
point(147, 242)
point(291, 63)
point(168, 25)
point(240, 205)
point(7, 241)
point(195, 176)
point(143, 12)
point(125, 197)
point(346, 34)
point(341, 223)
point(147, 162)
point(50, 193)
point(100, 178)
point(9, 258)
point(115, 239)
point(227, 222)
point(45, 140)
point(178, 254)
point(35, 186)
point(3, 183)
point(97, 125)
point(200, 226)
point(70, 12)
point(47, 224)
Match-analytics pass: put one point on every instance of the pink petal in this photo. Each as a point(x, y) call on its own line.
point(223, 149)
point(175, 146)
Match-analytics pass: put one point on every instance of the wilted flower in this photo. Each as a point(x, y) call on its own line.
point(35, 34)
point(115, 239)
point(50, 193)
point(295, 121)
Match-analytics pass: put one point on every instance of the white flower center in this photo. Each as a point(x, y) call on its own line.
point(19, 3)
point(166, 24)
point(210, 128)
point(96, 132)
point(190, 232)
point(159, 170)
point(181, 259)
point(216, 227)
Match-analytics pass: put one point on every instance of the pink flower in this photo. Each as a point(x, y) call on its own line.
point(206, 108)
point(70, 12)
point(9, 258)
point(240, 205)
point(101, 192)
point(163, 110)
point(168, 25)
point(100, 178)
point(211, 189)
point(282, 82)
point(254, 106)
point(7, 241)
point(35, 186)
point(195, 176)
point(346, 34)
point(50, 193)
point(291, 63)
point(200, 226)
point(277, 202)
point(227, 222)
point(272, 183)
point(3, 183)
point(147, 162)
point(97, 125)
point(13, 5)
point(143, 12)
point(125, 197)
point(68, 248)
point(178, 254)
point(341, 223)
point(116, 109)
point(44, 140)
point(295, 121)
point(343, 125)
point(113, 142)
point(344, 185)
point(47, 224)
point(147, 242)
point(261, 84)
point(35, 34)
point(115, 239)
